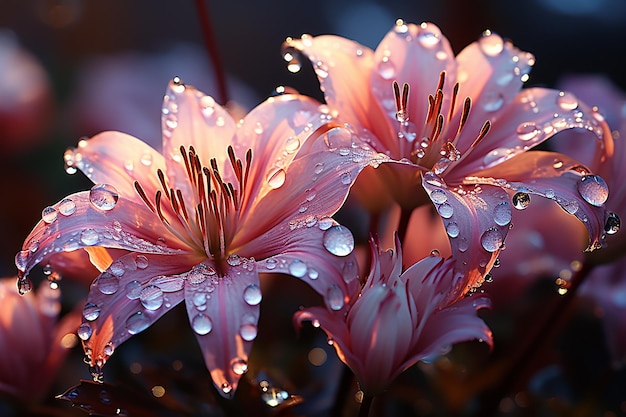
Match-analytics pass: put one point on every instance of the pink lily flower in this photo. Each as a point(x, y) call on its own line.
point(400, 318)
point(33, 341)
point(462, 134)
point(223, 203)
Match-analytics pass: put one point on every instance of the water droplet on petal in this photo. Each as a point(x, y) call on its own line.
point(297, 268)
point(49, 214)
point(137, 323)
point(89, 237)
point(493, 102)
point(248, 331)
point(151, 297)
point(226, 388)
point(491, 239)
point(612, 224)
point(201, 324)
point(142, 262)
point(103, 196)
point(24, 285)
point(567, 101)
point(521, 200)
point(84, 331)
point(271, 263)
point(239, 366)
point(334, 298)
point(593, 189)
point(428, 36)
point(107, 283)
point(67, 207)
point(386, 69)
point(338, 240)
point(133, 289)
point(445, 210)
point(453, 229)
point(491, 44)
point(91, 311)
point(438, 196)
point(502, 213)
point(252, 294)
point(276, 178)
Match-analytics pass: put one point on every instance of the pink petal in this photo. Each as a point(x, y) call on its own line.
point(458, 323)
point(127, 225)
point(415, 55)
point(527, 122)
point(134, 292)
point(492, 71)
point(477, 221)
point(118, 159)
point(223, 313)
point(190, 118)
point(343, 67)
point(559, 178)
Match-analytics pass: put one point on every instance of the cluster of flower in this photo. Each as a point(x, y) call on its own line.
point(436, 156)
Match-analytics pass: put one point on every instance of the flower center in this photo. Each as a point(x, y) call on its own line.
point(435, 145)
point(209, 222)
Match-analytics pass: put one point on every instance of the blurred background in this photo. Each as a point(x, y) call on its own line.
point(73, 68)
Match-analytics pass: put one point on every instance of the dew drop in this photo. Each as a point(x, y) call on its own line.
point(612, 224)
point(319, 167)
point(137, 323)
point(107, 283)
point(438, 196)
point(103, 196)
point(49, 214)
point(271, 263)
point(346, 178)
point(338, 240)
point(151, 297)
point(297, 268)
point(276, 178)
point(248, 331)
point(142, 261)
point(292, 144)
point(593, 189)
point(445, 210)
point(89, 237)
point(226, 388)
point(521, 200)
point(239, 366)
point(84, 331)
point(91, 311)
point(570, 206)
point(233, 259)
point(491, 239)
point(428, 37)
point(67, 207)
point(453, 229)
point(502, 213)
point(386, 69)
point(24, 285)
point(133, 289)
point(493, 102)
point(252, 294)
point(108, 349)
point(334, 298)
point(199, 300)
point(201, 324)
point(491, 44)
point(567, 101)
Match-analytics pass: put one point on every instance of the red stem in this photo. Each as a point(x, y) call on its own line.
point(211, 45)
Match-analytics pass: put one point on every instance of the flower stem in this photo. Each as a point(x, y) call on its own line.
point(211, 45)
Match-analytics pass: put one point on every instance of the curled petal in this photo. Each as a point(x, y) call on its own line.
point(559, 178)
point(134, 292)
point(224, 313)
point(534, 116)
point(477, 220)
point(128, 225)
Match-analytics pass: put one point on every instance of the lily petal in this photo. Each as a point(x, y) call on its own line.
point(559, 178)
point(128, 225)
point(477, 220)
point(134, 292)
point(224, 313)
